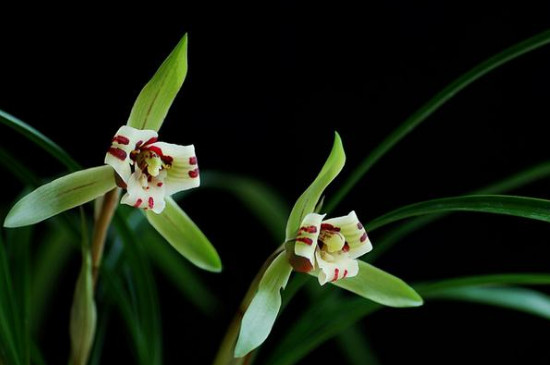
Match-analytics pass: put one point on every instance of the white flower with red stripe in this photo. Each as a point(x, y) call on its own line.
point(151, 170)
point(331, 246)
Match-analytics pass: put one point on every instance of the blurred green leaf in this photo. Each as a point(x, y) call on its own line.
point(262, 311)
point(179, 272)
point(435, 103)
point(380, 287)
point(157, 96)
point(538, 209)
point(356, 347)
point(321, 322)
point(131, 284)
point(519, 299)
point(19, 258)
point(433, 288)
point(61, 194)
point(83, 311)
point(39, 139)
point(337, 315)
point(56, 247)
point(179, 230)
point(307, 202)
point(268, 206)
point(515, 181)
point(9, 313)
point(20, 171)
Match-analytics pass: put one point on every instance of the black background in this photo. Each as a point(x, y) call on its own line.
point(266, 89)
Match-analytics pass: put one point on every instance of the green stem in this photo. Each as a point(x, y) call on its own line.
point(102, 223)
point(435, 103)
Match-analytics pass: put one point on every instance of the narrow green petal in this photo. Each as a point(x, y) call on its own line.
point(183, 234)
point(380, 287)
point(157, 96)
point(62, 194)
point(309, 199)
point(264, 307)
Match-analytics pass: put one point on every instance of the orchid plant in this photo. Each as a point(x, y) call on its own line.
point(321, 248)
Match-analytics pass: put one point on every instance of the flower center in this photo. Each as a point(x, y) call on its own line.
point(331, 240)
point(150, 160)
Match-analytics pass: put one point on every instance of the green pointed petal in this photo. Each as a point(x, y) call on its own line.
point(184, 235)
point(59, 195)
point(308, 200)
point(157, 96)
point(380, 287)
point(264, 307)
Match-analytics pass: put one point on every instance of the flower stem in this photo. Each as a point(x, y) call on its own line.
point(102, 222)
point(225, 352)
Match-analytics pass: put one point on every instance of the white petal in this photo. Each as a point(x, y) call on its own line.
point(124, 142)
point(183, 173)
point(335, 266)
point(306, 238)
point(354, 233)
point(145, 194)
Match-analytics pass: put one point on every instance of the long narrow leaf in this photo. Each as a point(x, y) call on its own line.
point(435, 103)
point(529, 175)
point(538, 209)
point(39, 139)
point(519, 299)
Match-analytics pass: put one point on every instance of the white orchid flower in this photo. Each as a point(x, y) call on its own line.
point(332, 246)
point(327, 249)
point(151, 170)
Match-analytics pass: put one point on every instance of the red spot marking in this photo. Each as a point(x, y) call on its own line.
point(121, 140)
point(192, 160)
point(194, 173)
point(336, 272)
point(155, 149)
point(138, 203)
point(159, 184)
point(359, 225)
point(151, 202)
point(309, 229)
point(167, 159)
point(150, 140)
point(139, 143)
point(345, 274)
point(133, 155)
point(149, 178)
point(308, 241)
point(346, 247)
point(363, 237)
point(118, 153)
point(147, 188)
point(329, 227)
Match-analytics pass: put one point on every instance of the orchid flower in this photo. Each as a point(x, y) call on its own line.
point(327, 249)
point(331, 246)
point(149, 170)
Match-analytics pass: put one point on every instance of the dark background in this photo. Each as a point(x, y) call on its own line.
point(266, 89)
